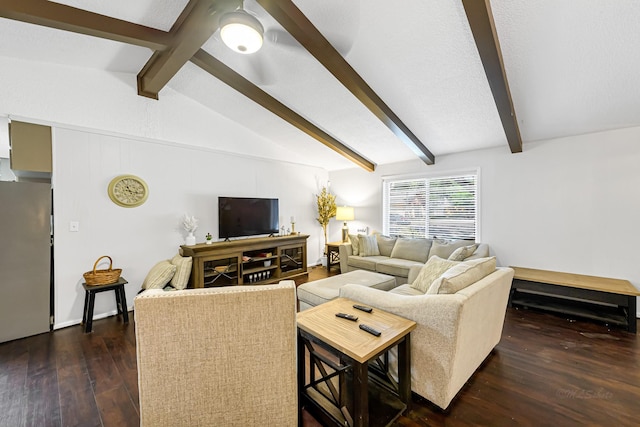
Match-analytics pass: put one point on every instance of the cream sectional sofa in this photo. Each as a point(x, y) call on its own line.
point(396, 256)
point(455, 331)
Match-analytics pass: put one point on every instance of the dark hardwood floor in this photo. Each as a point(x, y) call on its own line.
point(546, 371)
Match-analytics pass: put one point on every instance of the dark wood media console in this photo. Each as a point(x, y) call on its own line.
point(252, 261)
point(599, 298)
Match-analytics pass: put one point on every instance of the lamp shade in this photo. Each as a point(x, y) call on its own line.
point(344, 213)
point(241, 32)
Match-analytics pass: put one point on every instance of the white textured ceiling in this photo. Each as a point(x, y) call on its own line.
point(572, 69)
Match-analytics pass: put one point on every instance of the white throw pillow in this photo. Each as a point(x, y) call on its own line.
point(433, 269)
point(183, 271)
point(463, 253)
point(368, 245)
point(462, 275)
point(159, 275)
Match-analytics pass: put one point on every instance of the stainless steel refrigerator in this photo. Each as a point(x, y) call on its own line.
point(25, 259)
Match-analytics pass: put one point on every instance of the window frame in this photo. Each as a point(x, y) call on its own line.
point(387, 180)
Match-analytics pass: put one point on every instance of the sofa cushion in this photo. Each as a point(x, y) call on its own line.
point(368, 245)
point(323, 290)
point(365, 263)
point(444, 248)
point(406, 290)
point(159, 275)
point(385, 244)
point(463, 252)
point(354, 244)
point(396, 267)
point(183, 271)
point(462, 275)
point(433, 269)
point(412, 249)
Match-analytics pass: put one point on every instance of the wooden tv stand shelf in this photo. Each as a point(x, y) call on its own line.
point(252, 261)
point(598, 298)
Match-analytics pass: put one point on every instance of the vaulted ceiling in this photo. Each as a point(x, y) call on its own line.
point(346, 82)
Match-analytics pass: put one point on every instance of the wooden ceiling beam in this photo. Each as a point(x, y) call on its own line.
point(197, 23)
point(484, 32)
point(297, 24)
point(225, 74)
point(63, 17)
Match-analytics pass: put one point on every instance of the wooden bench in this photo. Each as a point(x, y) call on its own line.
point(599, 298)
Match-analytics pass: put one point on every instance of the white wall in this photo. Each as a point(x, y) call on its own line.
point(102, 128)
point(569, 204)
point(180, 179)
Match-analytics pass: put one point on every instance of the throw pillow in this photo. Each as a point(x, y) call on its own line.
point(462, 275)
point(183, 271)
point(385, 244)
point(354, 244)
point(368, 246)
point(444, 248)
point(430, 272)
point(411, 249)
point(159, 275)
point(463, 253)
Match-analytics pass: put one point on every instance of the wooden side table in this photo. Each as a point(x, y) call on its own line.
point(350, 367)
point(90, 298)
point(333, 255)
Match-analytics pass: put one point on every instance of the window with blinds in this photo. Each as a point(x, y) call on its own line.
point(442, 207)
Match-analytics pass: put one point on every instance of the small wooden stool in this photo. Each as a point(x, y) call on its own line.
point(90, 298)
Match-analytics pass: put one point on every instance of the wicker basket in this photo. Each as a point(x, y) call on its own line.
point(102, 277)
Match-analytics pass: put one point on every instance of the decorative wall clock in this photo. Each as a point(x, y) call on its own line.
point(128, 191)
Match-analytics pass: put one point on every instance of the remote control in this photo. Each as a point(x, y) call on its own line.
point(347, 316)
point(363, 308)
point(369, 329)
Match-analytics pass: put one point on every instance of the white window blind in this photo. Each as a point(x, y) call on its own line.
point(442, 207)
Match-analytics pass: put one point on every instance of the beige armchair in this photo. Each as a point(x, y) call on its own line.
point(455, 332)
point(217, 356)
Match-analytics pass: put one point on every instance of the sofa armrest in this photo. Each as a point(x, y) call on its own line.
point(345, 252)
point(423, 309)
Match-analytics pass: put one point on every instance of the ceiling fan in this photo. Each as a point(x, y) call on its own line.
point(256, 61)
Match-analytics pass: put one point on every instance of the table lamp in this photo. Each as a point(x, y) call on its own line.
point(344, 213)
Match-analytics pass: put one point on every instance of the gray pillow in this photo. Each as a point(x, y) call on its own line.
point(411, 249)
point(368, 246)
point(444, 248)
point(463, 252)
point(385, 244)
point(354, 244)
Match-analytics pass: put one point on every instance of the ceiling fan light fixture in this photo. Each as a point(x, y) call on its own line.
point(241, 32)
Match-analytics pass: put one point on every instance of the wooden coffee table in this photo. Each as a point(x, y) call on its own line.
point(348, 367)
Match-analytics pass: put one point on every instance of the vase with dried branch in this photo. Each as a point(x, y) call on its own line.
point(190, 224)
point(326, 211)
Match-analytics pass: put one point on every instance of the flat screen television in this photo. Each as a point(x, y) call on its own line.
point(247, 216)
